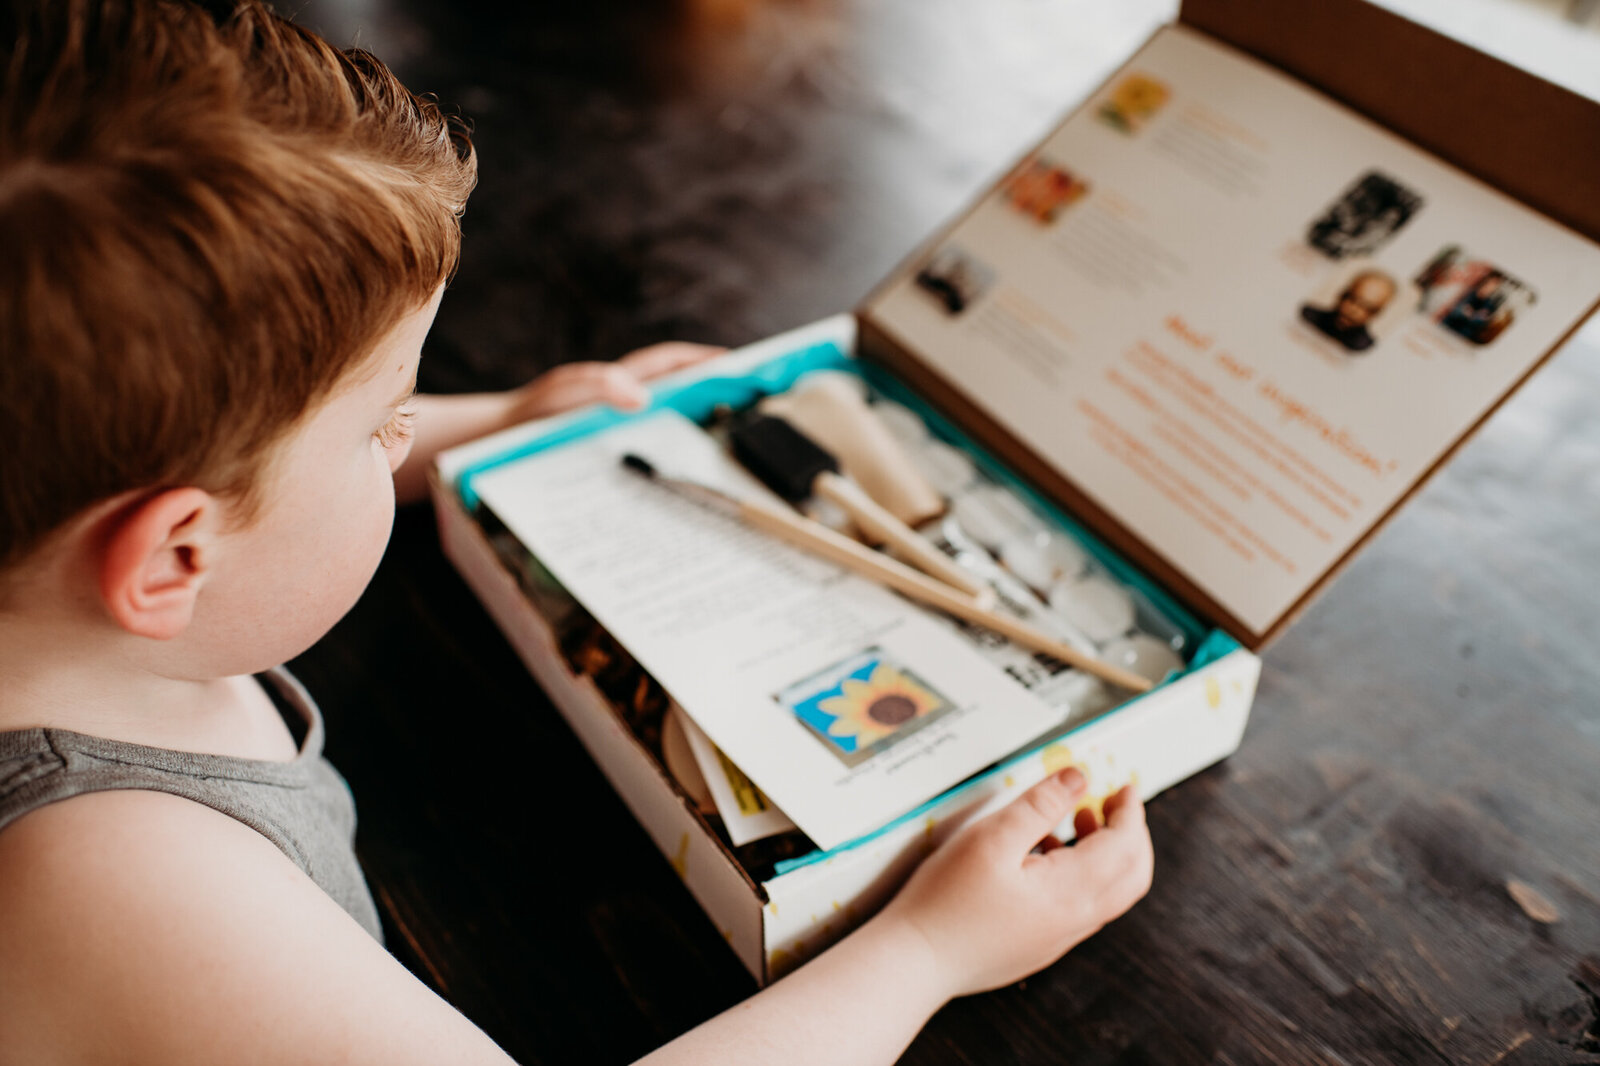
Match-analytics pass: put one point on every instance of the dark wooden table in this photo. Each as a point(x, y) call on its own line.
point(1336, 892)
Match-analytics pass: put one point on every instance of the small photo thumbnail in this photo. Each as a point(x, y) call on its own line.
point(1133, 102)
point(1471, 298)
point(1364, 218)
point(1357, 308)
point(954, 278)
point(1042, 190)
point(863, 705)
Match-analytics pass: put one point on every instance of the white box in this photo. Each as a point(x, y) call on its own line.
point(1154, 740)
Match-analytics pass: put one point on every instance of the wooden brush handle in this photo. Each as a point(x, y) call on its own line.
point(830, 411)
point(820, 540)
point(882, 526)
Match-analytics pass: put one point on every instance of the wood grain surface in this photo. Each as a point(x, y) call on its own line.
point(1399, 866)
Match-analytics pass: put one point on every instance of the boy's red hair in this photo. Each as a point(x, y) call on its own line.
point(207, 219)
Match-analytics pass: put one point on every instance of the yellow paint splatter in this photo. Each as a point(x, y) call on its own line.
point(927, 826)
point(1057, 757)
point(1011, 782)
point(1213, 693)
point(680, 861)
point(777, 963)
point(773, 908)
point(836, 906)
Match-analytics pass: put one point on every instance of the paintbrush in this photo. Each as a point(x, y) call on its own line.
point(818, 539)
point(794, 466)
point(828, 408)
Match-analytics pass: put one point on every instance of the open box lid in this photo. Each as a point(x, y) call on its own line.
point(1250, 295)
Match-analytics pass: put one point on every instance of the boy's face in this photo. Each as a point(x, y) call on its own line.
point(280, 582)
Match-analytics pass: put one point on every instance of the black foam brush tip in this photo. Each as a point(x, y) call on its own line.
point(786, 460)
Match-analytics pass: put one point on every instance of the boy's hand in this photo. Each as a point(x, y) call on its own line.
point(445, 421)
point(1004, 898)
point(982, 911)
point(619, 384)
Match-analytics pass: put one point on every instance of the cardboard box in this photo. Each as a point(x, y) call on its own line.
point(1157, 740)
point(1404, 77)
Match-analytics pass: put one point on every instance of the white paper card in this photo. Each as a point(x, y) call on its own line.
point(746, 811)
point(847, 705)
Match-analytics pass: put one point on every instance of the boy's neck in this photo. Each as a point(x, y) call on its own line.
point(55, 674)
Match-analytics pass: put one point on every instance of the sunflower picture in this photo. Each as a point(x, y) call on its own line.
point(864, 704)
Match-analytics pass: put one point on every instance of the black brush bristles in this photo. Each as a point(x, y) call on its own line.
point(785, 459)
point(639, 465)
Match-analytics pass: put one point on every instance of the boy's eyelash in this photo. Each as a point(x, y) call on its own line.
point(399, 428)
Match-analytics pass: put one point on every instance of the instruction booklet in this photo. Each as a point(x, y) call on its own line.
point(1242, 320)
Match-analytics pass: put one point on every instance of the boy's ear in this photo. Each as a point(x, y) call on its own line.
point(155, 558)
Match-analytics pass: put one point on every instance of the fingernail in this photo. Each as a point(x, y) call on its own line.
point(1073, 778)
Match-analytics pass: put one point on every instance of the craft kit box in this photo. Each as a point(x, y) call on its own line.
point(1187, 335)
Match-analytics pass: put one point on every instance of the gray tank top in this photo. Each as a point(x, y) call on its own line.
point(303, 806)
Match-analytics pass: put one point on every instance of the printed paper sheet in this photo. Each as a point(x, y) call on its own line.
point(1241, 318)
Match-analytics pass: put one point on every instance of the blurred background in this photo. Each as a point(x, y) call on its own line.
point(722, 169)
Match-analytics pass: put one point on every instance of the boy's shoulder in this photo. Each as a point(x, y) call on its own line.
point(108, 845)
point(102, 896)
point(140, 926)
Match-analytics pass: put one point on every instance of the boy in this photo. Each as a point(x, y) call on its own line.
point(225, 243)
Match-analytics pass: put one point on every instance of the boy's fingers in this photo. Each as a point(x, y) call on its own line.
point(621, 389)
point(1084, 822)
point(571, 385)
point(1050, 843)
point(1123, 807)
point(1027, 819)
point(1113, 864)
point(607, 383)
point(658, 359)
point(619, 384)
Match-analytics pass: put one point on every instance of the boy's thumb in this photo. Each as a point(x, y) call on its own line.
point(1029, 818)
point(623, 390)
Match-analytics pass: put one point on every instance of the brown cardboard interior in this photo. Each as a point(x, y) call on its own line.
point(1533, 140)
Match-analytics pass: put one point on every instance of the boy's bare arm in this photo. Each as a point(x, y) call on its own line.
point(144, 928)
point(988, 908)
point(139, 927)
point(445, 421)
